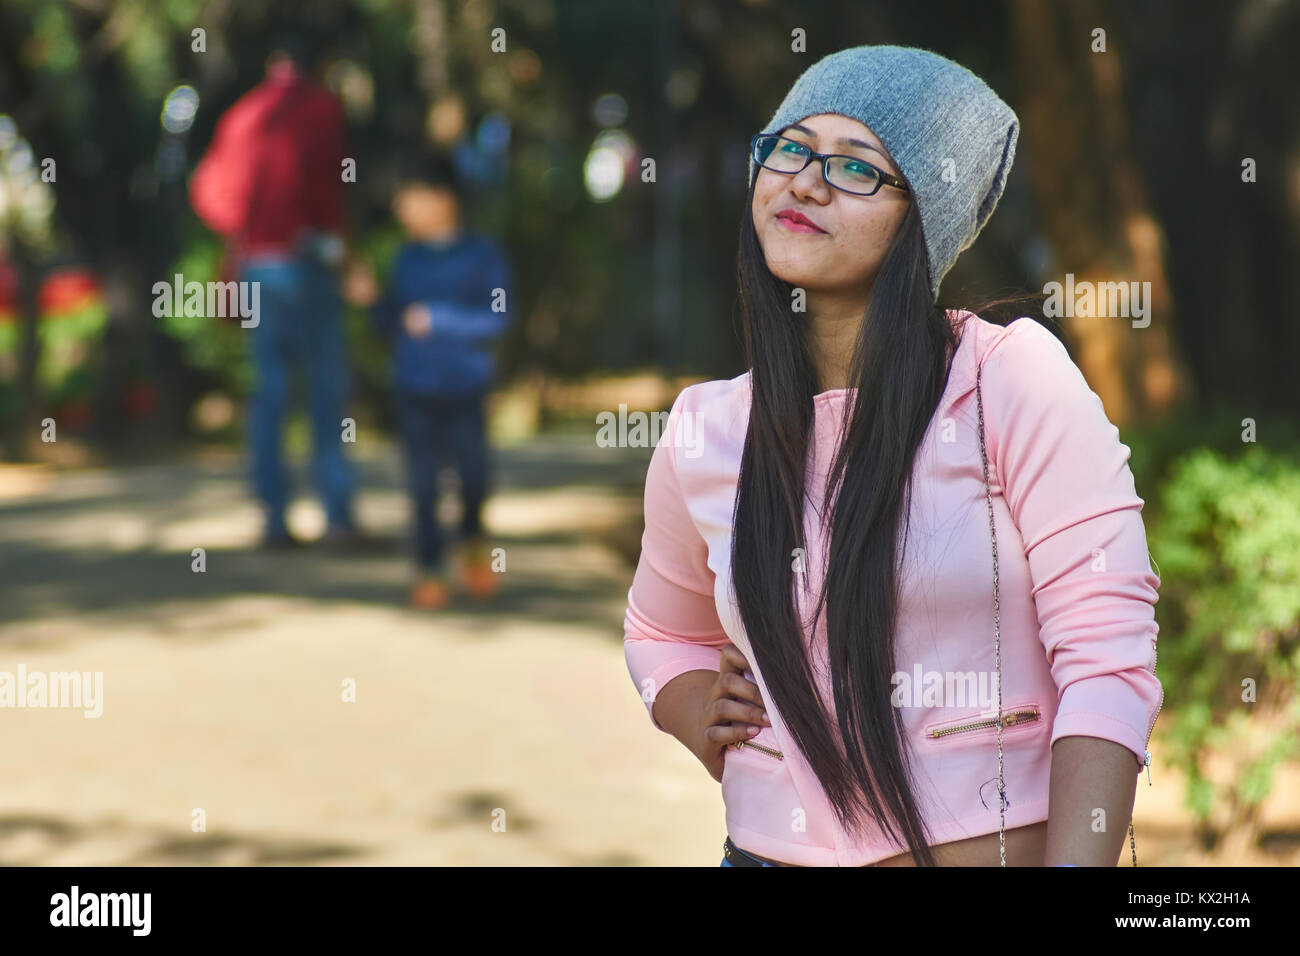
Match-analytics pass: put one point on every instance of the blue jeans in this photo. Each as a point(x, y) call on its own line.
point(433, 429)
point(300, 330)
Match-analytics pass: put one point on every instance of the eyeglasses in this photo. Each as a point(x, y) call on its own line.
point(846, 173)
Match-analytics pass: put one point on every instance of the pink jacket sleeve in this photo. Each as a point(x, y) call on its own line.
point(671, 625)
point(1066, 480)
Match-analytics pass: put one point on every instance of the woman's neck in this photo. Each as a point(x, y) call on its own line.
point(832, 336)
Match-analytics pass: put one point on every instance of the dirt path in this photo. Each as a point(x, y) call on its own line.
point(222, 691)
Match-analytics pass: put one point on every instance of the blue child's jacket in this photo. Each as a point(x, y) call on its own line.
point(457, 280)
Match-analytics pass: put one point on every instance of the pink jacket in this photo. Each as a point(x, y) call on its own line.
point(1077, 594)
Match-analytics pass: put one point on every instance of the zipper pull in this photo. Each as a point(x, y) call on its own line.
point(1148, 766)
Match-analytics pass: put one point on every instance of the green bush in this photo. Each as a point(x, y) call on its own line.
point(1226, 538)
point(209, 344)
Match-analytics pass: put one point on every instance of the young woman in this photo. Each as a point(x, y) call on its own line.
point(813, 613)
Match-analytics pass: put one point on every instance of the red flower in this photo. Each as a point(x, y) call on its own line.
point(67, 290)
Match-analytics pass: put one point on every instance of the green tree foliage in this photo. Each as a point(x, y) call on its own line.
point(1228, 543)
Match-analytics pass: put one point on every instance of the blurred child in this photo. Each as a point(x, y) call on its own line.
point(445, 306)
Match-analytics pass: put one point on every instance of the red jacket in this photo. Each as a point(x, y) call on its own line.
point(274, 167)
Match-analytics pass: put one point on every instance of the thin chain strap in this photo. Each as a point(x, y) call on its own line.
point(997, 642)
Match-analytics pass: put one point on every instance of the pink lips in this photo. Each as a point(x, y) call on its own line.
point(797, 222)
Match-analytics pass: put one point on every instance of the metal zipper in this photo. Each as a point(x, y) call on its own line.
point(741, 744)
point(1155, 656)
point(1011, 719)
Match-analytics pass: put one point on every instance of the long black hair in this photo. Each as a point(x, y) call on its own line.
point(900, 366)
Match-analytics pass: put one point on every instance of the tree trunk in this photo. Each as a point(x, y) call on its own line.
point(1095, 209)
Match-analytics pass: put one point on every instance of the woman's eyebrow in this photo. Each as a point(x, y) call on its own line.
point(842, 141)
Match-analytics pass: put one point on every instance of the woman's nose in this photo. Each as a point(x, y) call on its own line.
point(809, 181)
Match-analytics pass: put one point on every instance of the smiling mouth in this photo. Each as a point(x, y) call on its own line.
point(794, 225)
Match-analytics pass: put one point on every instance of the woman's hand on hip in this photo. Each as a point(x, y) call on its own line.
point(733, 711)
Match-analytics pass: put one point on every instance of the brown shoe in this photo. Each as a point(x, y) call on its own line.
point(477, 576)
point(430, 592)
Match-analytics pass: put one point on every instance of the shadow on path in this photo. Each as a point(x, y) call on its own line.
point(57, 554)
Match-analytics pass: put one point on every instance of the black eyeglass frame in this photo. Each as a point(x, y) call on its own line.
point(884, 180)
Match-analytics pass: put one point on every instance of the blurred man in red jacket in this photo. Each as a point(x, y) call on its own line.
point(271, 183)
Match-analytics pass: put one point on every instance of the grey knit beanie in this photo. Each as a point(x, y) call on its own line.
point(926, 110)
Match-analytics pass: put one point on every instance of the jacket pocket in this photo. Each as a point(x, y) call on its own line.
point(1015, 720)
